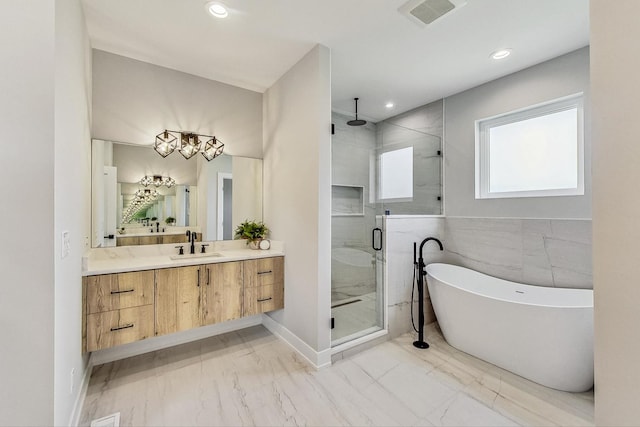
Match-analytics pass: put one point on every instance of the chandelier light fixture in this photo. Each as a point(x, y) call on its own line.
point(158, 181)
point(143, 198)
point(188, 144)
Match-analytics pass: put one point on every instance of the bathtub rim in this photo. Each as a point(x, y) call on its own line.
point(511, 301)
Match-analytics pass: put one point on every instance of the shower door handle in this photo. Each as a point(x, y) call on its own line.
point(373, 239)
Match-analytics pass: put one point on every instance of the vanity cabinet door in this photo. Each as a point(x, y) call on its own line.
point(221, 292)
point(177, 299)
point(263, 285)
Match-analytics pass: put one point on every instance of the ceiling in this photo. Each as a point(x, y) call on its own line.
point(377, 54)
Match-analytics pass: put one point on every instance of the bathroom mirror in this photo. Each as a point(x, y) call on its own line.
point(210, 198)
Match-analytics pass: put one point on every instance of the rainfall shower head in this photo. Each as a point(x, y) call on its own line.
point(356, 122)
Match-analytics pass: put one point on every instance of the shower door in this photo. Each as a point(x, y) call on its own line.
point(378, 171)
point(357, 294)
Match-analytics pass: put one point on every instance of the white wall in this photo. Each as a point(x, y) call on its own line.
point(247, 190)
point(72, 199)
point(565, 75)
point(297, 192)
point(615, 59)
point(133, 101)
point(208, 193)
point(27, 250)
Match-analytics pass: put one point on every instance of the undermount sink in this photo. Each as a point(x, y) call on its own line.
point(198, 255)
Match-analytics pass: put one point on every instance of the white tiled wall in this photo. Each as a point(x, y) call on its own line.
point(400, 234)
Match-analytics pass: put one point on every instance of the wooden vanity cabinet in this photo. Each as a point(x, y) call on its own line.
point(121, 308)
point(263, 285)
point(127, 241)
point(174, 238)
point(118, 309)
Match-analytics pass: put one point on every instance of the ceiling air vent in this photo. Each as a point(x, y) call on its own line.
point(424, 12)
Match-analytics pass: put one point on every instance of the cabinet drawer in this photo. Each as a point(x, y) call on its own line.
point(109, 292)
point(262, 299)
point(117, 327)
point(263, 272)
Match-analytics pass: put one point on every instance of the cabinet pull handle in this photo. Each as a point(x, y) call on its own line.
point(130, 325)
point(265, 299)
point(198, 276)
point(265, 272)
point(121, 292)
point(208, 276)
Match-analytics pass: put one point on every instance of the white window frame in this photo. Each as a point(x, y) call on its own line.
point(483, 127)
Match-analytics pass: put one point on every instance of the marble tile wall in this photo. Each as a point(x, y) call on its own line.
point(541, 252)
point(400, 233)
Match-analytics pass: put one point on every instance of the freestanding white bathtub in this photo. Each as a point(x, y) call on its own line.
point(542, 334)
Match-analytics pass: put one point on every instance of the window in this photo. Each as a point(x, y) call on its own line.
point(534, 152)
point(396, 175)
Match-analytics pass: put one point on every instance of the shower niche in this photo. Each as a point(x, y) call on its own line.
point(347, 200)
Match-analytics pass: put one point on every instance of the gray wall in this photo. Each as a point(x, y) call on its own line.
point(133, 101)
point(558, 77)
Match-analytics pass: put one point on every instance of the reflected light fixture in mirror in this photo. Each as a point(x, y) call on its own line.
point(158, 181)
point(190, 144)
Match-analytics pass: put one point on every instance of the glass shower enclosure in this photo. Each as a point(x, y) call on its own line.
point(377, 170)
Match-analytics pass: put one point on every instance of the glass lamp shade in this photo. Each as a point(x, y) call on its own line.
point(146, 180)
point(169, 182)
point(212, 149)
point(165, 143)
point(189, 145)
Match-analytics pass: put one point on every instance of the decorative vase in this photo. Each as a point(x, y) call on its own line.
point(255, 244)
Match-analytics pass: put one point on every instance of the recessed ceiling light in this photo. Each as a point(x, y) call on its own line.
point(389, 105)
point(501, 54)
point(217, 9)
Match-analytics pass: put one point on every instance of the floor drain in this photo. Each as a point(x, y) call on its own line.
point(112, 420)
point(345, 303)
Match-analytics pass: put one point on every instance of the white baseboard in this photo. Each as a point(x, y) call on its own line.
point(319, 359)
point(74, 420)
point(156, 343)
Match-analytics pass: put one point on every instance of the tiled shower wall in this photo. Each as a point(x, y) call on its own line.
point(541, 252)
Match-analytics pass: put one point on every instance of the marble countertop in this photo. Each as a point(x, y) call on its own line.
point(150, 257)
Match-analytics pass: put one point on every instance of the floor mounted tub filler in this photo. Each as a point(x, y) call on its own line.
point(540, 333)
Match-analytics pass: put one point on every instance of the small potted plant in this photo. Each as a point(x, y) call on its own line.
point(253, 232)
point(170, 220)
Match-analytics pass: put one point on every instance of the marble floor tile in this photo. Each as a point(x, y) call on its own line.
point(250, 377)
